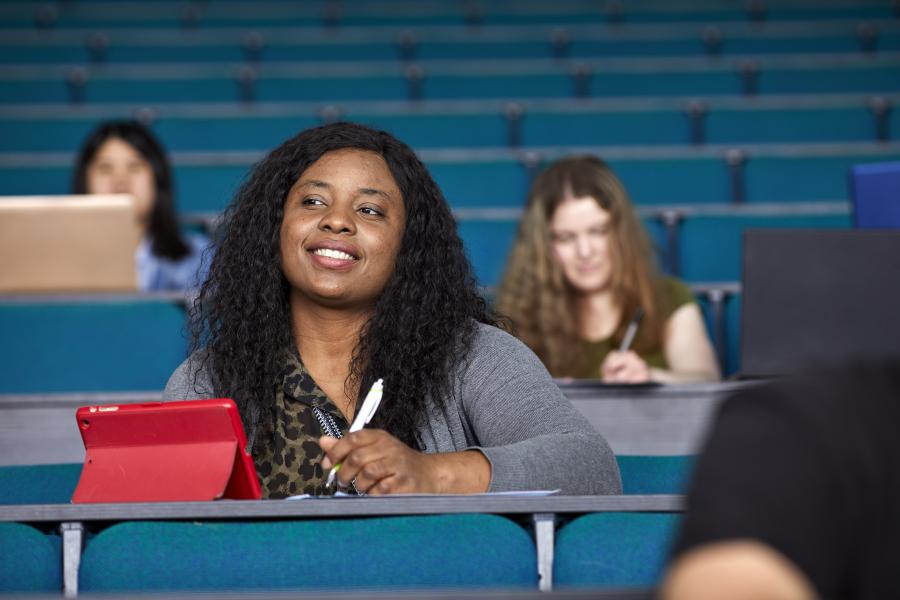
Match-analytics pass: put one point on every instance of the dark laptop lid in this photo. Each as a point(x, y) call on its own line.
point(818, 295)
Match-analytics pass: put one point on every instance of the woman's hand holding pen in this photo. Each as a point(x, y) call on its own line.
point(624, 367)
point(382, 464)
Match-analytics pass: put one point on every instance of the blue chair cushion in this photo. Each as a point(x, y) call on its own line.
point(39, 484)
point(655, 474)
point(613, 550)
point(29, 560)
point(396, 552)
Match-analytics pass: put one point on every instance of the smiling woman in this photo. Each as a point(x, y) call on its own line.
point(340, 264)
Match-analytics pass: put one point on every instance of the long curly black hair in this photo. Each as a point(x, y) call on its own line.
point(424, 320)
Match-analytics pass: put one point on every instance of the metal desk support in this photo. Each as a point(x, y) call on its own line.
point(544, 524)
point(72, 539)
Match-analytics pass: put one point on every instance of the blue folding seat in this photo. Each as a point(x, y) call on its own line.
point(431, 129)
point(549, 82)
point(876, 195)
point(49, 134)
point(39, 484)
point(573, 126)
point(258, 131)
point(793, 125)
point(710, 246)
point(863, 77)
point(499, 182)
point(654, 474)
point(664, 82)
point(30, 561)
point(799, 176)
point(613, 550)
point(487, 244)
point(436, 551)
point(679, 179)
point(90, 346)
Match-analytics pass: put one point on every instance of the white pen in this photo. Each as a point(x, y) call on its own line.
point(632, 330)
point(365, 414)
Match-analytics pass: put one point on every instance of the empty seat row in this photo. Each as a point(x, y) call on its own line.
point(474, 551)
point(479, 178)
point(173, 13)
point(433, 80)
point(630, 122)
point(538, 41)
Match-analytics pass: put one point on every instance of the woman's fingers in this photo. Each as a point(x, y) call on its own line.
point(369, 456)
point(625, 367)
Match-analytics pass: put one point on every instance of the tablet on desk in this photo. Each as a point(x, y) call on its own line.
point(193, 450)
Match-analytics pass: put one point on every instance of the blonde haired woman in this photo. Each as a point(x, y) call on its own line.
point(582, 269)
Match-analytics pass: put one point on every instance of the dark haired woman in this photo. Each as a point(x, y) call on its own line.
point(123, 157)
point(340, 264)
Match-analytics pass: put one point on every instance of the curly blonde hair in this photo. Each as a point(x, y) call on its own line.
point(535, 294)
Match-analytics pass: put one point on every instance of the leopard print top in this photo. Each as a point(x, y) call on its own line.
point(286, 453)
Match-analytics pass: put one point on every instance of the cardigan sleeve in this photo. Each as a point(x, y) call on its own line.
point(527, 429)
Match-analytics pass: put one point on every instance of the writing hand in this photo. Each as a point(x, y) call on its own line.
point(624, 367)
point(382, 464)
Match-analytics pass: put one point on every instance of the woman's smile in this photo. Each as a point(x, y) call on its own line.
point(331, 254)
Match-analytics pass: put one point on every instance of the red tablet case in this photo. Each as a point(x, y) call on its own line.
point(192, 450)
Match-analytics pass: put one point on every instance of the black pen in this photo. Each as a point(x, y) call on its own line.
point(632, 330)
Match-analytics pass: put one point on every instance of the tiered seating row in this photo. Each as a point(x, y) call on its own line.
point(79, 43)
point(445, 543)
point(484, 124)
point(447, 80)
point(494, 178)
point(173, 14)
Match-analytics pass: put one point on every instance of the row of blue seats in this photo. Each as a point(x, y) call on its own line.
point(180, 14)
point(448, 80)
point(473, 551)
point(464, 124)
point(85, 345)
point(542, 41)
point(477, 178)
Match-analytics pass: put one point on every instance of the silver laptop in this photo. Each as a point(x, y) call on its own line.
point(67, 244)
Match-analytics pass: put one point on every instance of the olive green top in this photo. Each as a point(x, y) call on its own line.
point(675, 295)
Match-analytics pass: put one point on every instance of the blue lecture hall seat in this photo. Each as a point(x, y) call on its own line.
point(875, 192)
point(616, 550)
point(710, 246)
point(38, 484)
point(29, 560)
point(654, 474)
point(90, 346)
point(441, 551)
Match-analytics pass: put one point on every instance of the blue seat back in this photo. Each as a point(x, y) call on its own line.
point(39, 484)
point(454, 551)
point(875, 191)
point(90, 346)
point(613, 550)
point(29, 560)
point(655, 474)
